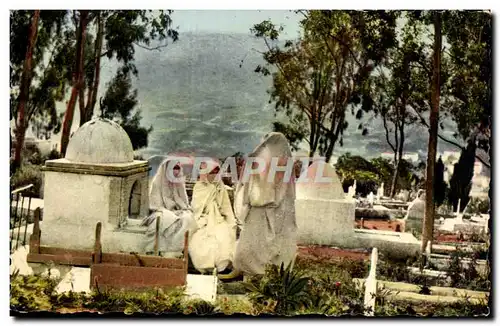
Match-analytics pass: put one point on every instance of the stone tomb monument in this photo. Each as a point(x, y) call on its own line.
point(324, 215)
point(97, 181)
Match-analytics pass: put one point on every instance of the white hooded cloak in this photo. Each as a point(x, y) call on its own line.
point(168, 200)
point(266, 211)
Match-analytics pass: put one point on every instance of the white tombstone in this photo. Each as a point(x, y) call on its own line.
point(97, 181)
point(324, 215)
point(380, 192)
point(458, 216)
point(371, 285)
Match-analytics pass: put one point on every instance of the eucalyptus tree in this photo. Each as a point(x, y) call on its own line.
point(318, 78)
point(114, 34)
point(37, 64)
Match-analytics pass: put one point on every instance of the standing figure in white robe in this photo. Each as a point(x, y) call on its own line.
point(266, 211)
point(168, 200)
point(213, 243)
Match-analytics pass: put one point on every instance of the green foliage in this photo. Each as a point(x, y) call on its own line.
point(479, 206)
point(469, 34)
point(331, 289)
point(119, 103)
point(320, 76)
point(294, 132)
point(461, 180)
point(117, 34)
point(35, 293)
point(49, 66)
point(126, 28)
point(31, 293)
point(200, 308)
point(353, 167)
point(327, 288)
point(394, 271)
point(283, 286)
point(395, 85)
point(467, 276)
point(369, 174)
point(462, 308)
point(440, 187)
point(28, 174)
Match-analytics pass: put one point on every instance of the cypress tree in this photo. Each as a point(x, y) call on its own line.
point(461, 180)
point(439, 183)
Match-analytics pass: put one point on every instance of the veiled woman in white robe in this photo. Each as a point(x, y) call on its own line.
point(213, 243)
point(266, 211)
point(168, 200)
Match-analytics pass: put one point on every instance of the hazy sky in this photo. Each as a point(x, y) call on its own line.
point(233, 21)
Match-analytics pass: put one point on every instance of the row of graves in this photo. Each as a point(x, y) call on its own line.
point(94, 199)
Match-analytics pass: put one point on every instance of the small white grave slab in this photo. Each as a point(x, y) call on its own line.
point(202, 287)
point(77, 280)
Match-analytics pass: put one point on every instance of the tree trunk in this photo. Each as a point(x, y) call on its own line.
point(333, 137)
point(21, 123)
point(427, 234)
point(312, 140)
point(395, 177)
point(92, 95)
point(400, 145)
point(77, 82)
point(400, 127)
point(490, 220)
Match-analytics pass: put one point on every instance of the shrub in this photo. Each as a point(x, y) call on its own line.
point(283, 288)
point(479, 206)
point(28, 174)
point(31, 293)
point(53, 155)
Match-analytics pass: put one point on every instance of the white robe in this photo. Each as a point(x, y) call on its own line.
point(266, 211)
point(168, 200)
point(213, 243)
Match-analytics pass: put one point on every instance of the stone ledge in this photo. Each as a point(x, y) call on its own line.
point(119, 170)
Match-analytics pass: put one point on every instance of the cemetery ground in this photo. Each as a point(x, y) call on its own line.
point(324, 281)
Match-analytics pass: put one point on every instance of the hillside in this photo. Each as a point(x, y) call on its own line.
point(201, 95)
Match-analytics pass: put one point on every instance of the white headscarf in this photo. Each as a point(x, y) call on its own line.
point(258, 191)
point(165, 193)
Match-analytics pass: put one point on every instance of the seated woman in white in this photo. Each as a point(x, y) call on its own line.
point(168, 200)
point(213, 243)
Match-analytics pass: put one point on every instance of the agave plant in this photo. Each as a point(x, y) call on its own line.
point(283, 286)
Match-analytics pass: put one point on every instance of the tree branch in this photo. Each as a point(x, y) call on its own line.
point(387, 134)
point(159, 47)
point(449, 141)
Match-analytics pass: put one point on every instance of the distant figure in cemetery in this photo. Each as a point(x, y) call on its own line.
point(266, 211)
point(213, 243)
point(415, 212)
point(351, 192)
point(169, 201)
point(371, 199)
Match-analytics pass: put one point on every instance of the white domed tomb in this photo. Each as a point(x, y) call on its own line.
point(97, 181)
